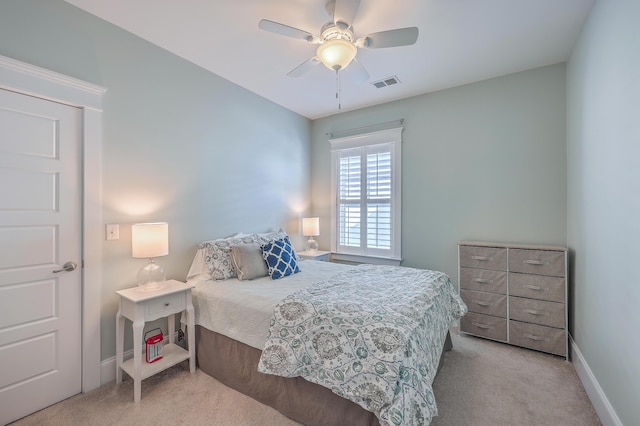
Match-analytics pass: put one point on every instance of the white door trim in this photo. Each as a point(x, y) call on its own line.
point(31, 80)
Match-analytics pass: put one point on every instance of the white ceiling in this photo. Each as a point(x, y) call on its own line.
point(460, 41)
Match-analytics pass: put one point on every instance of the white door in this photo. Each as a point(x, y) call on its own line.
point(40, 231)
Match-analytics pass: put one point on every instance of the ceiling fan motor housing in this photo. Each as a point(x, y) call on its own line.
point(331, 31)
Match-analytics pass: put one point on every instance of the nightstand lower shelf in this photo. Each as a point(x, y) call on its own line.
point(172, 354)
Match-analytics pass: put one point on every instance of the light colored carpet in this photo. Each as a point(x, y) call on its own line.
point(488, 383)
point(481, 383)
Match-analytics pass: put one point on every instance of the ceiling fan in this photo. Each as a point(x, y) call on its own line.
point(337, 45)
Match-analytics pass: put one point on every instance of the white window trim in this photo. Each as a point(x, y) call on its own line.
point(389, 136)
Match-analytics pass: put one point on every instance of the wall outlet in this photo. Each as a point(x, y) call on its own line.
point(113, 231)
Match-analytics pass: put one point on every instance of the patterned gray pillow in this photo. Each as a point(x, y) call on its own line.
point(267, 237)
point(217, 255)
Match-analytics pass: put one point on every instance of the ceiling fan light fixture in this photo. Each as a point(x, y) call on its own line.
point(336, 54)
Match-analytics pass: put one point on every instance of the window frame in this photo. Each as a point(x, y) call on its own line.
point(393, 138)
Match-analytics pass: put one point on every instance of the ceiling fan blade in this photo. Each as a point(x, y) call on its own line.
point(357, 71)
point(391, 38)
point(345, 11)
point(304, 67)
point(285, 30)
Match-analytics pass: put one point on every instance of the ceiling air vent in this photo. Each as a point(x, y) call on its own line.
point(386, 82)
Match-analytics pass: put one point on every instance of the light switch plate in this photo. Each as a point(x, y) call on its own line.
point(113, 231)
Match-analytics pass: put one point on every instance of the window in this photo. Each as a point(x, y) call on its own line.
point(366, 195)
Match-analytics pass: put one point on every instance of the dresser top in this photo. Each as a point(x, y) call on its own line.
point(513, 245)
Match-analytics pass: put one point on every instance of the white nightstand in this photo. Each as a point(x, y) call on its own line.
point(141, 306)
point(319, 255)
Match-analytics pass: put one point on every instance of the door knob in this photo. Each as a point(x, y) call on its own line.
point(67, 267)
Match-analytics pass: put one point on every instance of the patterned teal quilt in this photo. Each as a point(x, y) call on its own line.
point(372, 334)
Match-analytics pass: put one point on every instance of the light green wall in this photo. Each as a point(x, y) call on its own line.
point(179, 144)
point(484, 161)
point(604, 200)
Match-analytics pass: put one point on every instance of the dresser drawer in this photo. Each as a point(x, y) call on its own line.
point(537, 311)
point(538, 337)
point(485, 326)
point(537, 287)
point(163, 306)
point(541, 262)
point(483, 257)
point(483, 280)
point(485, 303)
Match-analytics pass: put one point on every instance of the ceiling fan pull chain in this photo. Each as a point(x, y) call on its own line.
point(338, 88)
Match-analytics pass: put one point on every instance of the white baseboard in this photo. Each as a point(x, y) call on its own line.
point(603, 407)
point(108, 366)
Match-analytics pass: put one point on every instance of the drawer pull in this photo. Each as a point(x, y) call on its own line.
point(477, 324)
point(533, 287)
point(478, 302)
point(533, 312)
point(166, 304)
point(481, 280)
point(534, 262)
point(536, 338)
point(482, 258)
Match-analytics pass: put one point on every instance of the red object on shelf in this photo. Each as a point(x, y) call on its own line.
point(154, 345)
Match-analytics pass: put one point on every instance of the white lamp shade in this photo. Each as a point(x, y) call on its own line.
point(150, 240)
point(337, 53)
point(311, 226)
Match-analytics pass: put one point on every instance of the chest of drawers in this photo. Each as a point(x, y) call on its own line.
point(515, 293)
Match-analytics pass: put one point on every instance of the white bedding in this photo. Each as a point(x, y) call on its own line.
point(242, 310)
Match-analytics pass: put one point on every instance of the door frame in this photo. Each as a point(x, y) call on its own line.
point(27, 79)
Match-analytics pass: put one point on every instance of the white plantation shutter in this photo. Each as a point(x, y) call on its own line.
point(350, 190)
point(366, 204)
point(379, 199)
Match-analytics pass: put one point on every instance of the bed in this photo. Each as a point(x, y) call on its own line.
point(327, 343)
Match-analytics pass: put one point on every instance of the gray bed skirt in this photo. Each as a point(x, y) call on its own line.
point(236, 365)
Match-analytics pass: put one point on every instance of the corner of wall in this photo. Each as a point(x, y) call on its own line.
point(600, 402)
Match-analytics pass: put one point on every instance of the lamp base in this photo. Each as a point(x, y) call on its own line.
point(311, 245)
point(151, 277)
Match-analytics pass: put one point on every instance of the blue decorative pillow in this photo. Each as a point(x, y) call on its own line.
point(281, 258)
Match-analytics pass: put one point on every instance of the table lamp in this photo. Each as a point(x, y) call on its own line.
point(150, 240)
point(311, 228)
